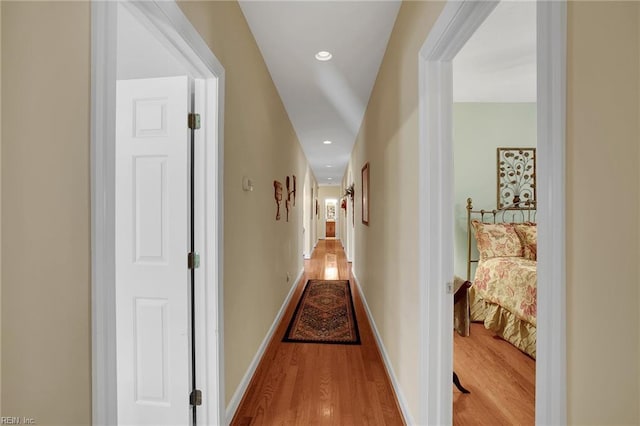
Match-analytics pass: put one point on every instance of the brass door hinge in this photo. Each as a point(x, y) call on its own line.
point(194, 121)
point(195, 398)
point(193, 260)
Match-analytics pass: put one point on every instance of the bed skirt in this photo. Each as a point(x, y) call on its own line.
point(505, 324)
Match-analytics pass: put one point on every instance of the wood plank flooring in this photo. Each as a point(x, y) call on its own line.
point(500, 377)
point(321, 384)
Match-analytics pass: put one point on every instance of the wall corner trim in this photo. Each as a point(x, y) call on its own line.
point(402, 402)
point(234, 403)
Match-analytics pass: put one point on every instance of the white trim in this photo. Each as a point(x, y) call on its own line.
point(435, 237)
point(103, 298)
point(165, 19)
point(173, 29)
point(402, 402)
point(456, 24)
point(246, 379)
point(551, 379)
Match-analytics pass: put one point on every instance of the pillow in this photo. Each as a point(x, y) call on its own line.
point(497, 240)
point(528, 233)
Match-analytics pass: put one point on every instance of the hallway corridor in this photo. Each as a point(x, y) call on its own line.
point(321, 384)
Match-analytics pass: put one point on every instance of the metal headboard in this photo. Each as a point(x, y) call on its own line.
point(524, 212)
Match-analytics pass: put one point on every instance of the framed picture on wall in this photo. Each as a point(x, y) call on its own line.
point(516, 178)
point(365, 194)
point(331, 211)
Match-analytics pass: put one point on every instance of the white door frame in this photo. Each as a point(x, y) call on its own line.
point(173, 29)
point(458, 21)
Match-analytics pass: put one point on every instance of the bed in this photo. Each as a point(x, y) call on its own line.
point(504, 291)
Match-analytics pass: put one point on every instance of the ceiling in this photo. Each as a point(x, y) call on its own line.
point(498, 63)
point(327, 100)
point(324, 100)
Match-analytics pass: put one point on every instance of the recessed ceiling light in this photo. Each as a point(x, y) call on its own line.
point(327, 142)
point(323, 55)
point(329, 178)
point(328, 165)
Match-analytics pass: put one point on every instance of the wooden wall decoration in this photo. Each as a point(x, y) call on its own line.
point(365, 194)
point(287, 205)
point(294, 190)
point(287, 181)
point(350, 192)
point(287, 202)
point(277, 186)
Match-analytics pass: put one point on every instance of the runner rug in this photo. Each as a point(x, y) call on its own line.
point(325, 314)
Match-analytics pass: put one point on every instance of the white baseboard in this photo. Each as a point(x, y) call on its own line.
point(244, 383)
point(312, 250)
point(404, 407)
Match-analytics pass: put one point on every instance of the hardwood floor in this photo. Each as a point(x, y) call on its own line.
point(321, 384)
point(500, 377)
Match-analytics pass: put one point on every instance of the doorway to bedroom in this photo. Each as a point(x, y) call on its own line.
point(494, 135)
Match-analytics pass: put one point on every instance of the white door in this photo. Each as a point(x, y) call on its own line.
point(152, 243)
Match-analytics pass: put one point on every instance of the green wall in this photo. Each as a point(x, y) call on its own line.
point(478, 129)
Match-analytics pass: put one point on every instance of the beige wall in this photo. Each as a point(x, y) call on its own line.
point(46, 315)
point(309, 211)
point(260, 143)
point(602, 245)
point(602, 173)
point(306, 201)
point(348, 224)
point(386, 262)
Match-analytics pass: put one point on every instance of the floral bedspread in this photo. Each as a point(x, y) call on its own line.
point(510, 282)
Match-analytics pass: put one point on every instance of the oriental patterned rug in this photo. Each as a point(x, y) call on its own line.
point(325, 314)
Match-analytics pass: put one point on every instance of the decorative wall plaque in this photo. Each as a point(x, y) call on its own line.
point(277, 186)
point(365, 194)
point(516, 178)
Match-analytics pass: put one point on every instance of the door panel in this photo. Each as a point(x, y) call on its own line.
point(331, 229)
point(151, 351)
point(152, 242)
point(150, 186)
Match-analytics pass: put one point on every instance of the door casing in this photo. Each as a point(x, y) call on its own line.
point(167, 22)
point(457, 22)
